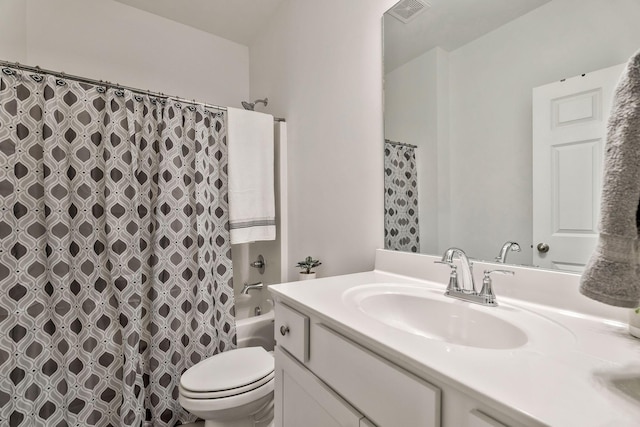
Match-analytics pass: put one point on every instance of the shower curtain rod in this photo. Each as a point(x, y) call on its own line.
point(404, 144)
point(39, 70)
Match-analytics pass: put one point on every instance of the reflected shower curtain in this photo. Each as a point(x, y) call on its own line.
point(115, 265)
point(401, 227)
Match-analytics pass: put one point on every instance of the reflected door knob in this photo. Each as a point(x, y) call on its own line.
point(543, 248)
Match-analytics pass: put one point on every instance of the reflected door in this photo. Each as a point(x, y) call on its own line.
point(569, 132)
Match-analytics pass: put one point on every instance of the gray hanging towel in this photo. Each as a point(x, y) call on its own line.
point(612, 275)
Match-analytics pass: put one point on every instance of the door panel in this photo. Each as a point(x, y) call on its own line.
point(569, 133)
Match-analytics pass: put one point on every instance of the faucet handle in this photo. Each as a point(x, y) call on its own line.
point(487, 290)
point(453, 277)
point(505, 272)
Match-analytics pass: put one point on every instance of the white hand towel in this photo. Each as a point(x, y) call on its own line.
point(251, 180)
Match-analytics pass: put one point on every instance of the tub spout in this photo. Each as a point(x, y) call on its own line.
point(247, 287)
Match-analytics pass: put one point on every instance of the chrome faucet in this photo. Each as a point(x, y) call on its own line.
point(466, 284)
point(502, 257)
point(247, 287)
point(466, 291)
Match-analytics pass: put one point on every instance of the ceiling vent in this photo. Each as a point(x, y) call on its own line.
point(407, 10)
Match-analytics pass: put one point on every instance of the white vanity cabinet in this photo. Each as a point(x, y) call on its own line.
point(321, 377)
point(324, 379)
point(301, 398)
point(389, 350)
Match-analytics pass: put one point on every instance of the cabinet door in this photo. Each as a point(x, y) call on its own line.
point(480, 419)
point(301, 399)
point(388, 395)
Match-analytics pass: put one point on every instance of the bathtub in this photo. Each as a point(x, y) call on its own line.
point(255, 331)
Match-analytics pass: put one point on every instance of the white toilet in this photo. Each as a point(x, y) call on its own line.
point(231, 389)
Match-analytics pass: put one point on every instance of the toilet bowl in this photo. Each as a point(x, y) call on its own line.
point(231, 389)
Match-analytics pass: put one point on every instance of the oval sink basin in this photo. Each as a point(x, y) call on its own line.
point(425, 312)
point(443, 320)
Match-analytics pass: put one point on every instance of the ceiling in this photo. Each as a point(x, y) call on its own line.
point(448, 24)
point(235, 20)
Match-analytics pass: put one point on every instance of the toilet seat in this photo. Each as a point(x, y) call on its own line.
point(256, 397)
point(229, 374)
point(226, 393)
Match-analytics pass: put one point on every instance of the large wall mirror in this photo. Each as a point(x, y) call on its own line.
point(495, 123)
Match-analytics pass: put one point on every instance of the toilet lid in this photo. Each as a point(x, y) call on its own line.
point(228, 370)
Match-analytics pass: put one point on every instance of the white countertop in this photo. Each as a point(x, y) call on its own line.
point(585, 372)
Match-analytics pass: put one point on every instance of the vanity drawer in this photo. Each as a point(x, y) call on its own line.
point(292, 331)
point(387, 394)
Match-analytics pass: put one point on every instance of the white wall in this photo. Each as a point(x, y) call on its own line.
point(319, 62)
point(491, 83)
point(107, 40)
point(412, 103)
point(444, 149)
point(13, 30)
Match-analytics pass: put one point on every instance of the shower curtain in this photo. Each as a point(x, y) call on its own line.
point(115, 264)
point(401, 227)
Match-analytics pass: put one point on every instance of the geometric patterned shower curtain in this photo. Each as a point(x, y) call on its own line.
point(401, 222)
point(115, 263)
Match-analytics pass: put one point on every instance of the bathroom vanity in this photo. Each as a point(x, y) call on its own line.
point(385, 348)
